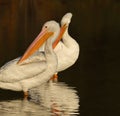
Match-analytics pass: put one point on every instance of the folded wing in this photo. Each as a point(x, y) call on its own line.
point(12, 72)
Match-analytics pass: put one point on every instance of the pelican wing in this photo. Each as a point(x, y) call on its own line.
point(12, 72)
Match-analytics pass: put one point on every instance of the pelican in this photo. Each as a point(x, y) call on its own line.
point(13, 79)
point(67, 50)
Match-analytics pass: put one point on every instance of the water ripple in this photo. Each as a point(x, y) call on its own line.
point(50, 99)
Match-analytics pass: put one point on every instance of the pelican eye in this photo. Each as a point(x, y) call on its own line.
point(46, 27)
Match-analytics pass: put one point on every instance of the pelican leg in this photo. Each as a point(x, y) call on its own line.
point(54, 78)
point(25, 94)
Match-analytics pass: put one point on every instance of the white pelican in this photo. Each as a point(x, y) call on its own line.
point(67, 50)
point(11, 78)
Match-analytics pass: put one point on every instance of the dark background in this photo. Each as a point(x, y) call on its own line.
point(95, 26)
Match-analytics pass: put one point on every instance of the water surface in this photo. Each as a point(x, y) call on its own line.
point(50, 99)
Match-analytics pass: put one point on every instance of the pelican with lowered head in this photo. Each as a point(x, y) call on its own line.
point(15, 80)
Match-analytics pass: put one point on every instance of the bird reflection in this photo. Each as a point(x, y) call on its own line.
point(22, 108)
point(50, 99)
point(57, 97)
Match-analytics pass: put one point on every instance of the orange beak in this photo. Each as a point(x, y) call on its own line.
point(40, 39)
point(62, 30)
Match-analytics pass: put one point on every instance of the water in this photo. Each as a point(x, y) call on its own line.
point(50, 99)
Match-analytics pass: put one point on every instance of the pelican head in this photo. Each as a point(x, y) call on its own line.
point(66, 19)
point(52, 26)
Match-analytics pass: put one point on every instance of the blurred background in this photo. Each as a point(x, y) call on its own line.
point(95, 26)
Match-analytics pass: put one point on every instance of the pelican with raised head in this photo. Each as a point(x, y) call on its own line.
point(68, 49)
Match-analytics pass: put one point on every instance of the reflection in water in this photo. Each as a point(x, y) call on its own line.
point(50, 99)
point(22, 108)
point(58, 97)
